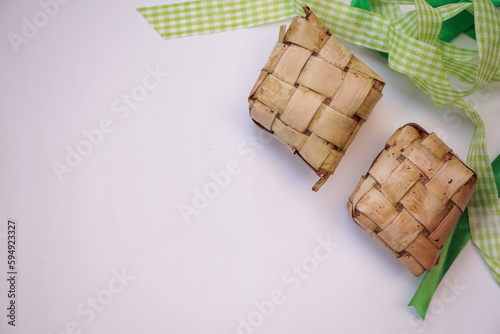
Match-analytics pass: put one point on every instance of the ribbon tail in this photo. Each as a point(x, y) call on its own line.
point(205, 17)
point(494, 266)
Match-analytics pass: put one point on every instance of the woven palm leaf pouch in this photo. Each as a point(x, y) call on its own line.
point(313, 94)
point(412, 196)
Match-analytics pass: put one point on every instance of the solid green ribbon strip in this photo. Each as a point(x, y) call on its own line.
point(412, 41)
point(454, 244)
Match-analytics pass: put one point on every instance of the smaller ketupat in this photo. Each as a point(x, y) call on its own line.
point(412, 196)
point(313, 94)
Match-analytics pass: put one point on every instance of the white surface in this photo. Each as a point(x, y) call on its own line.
point(118, 210)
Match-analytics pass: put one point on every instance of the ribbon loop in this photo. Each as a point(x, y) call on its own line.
point(415, 58)
point(429, 22)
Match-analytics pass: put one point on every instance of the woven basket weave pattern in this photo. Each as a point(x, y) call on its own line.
point(313, 94)
point(412, 196)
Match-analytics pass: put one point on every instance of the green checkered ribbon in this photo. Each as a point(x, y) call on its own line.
point(204, 17)
point(415, 46)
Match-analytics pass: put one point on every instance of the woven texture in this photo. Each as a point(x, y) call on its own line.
point(412, 196)
point(313, 94)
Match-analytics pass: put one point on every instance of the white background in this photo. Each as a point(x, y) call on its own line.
point(117, 213)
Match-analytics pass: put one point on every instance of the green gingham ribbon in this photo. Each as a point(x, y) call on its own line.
point(205, 17)
point(415, 46)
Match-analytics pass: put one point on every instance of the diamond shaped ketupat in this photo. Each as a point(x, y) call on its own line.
point(313, 94)
point(412, 196)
